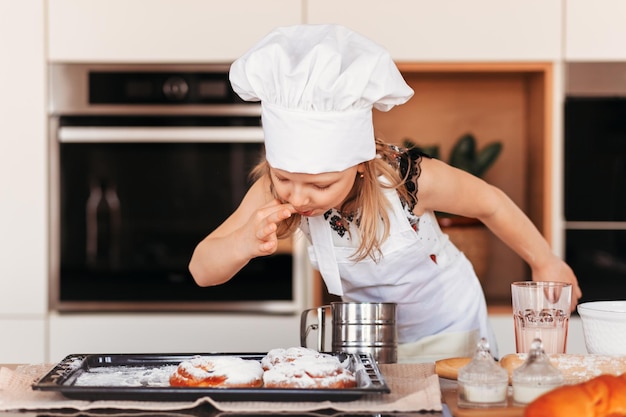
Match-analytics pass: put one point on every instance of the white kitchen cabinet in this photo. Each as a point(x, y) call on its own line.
point(170, 333)
point(207, 31)
point(161, 30)
point(452, 30)
point(23, 204)
point(23, 340)
point(595, 30)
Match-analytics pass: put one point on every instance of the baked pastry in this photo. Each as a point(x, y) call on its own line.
point(449, 368)
point(218, 372)
point(279, 368)
point(304, 368)
point(309, 372)
point(602, 396)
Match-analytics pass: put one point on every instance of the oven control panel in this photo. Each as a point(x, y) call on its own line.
point(107, 87)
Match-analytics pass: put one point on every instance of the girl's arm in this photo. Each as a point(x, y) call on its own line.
point(448, 189)
point(249, 232)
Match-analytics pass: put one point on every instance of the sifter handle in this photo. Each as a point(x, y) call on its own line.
point(319, 326)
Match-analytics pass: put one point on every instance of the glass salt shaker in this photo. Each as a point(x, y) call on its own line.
point(482, 382)
point(535, 376)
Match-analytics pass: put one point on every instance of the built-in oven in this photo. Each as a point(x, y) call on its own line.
point(595, 177)
point(146, 160)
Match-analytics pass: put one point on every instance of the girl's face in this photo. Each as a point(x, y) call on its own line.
point(313, 194)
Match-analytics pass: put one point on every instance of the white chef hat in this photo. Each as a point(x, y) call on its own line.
point(317, 85)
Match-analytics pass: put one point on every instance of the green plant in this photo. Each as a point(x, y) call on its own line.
point(464, 154)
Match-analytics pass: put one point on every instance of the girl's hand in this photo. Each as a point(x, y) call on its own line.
point(557, 270)
point(258, 235)
point(249, 232)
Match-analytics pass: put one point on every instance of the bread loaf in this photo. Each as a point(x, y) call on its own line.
point(576, 368)
point(602, 396)
point(449, 368)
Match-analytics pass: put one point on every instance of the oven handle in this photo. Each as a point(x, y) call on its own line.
point(92, 134)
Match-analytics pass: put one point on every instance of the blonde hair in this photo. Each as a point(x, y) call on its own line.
point(367, 198)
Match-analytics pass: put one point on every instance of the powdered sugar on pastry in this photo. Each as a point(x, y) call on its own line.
point(304, 368)
point(280, 355)
point(218, 371)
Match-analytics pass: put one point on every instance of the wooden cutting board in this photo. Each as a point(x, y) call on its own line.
point(450, 398)
point(449, 368)
point(575, 367)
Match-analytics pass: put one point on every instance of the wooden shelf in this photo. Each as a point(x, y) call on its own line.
point(509, 102)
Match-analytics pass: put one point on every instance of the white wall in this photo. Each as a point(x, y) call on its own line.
point(23, 208)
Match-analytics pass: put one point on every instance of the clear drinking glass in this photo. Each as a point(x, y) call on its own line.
point(541, 310)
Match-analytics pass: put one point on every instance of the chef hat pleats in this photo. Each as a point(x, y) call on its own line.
point(317, 85)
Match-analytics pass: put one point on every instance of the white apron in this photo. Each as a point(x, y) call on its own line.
point(441, 306)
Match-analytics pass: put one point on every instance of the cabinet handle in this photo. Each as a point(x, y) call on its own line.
point(237, 134)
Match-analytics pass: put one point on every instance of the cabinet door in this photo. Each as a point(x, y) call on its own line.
point(23, 340)
point(595, 30)
point(141, 333)
point(162, 30)
point(451, 30)
point(23, 208)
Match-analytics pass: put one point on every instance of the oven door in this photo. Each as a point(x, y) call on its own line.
point(131, 201)
point(595, 177)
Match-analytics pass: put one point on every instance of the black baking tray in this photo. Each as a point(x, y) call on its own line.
point(145, 377)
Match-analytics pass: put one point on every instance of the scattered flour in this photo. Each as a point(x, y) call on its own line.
point(579, 368)
point(126, 376)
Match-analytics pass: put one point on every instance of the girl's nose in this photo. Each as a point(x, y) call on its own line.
point(298, 197)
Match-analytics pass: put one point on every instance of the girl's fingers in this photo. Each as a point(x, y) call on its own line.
point(268, 217)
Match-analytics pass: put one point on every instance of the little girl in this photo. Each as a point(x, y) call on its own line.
point(366, 207)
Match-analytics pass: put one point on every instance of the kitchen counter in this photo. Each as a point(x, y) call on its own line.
point(448, 392)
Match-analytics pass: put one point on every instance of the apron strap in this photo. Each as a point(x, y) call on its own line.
point(325, 254)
